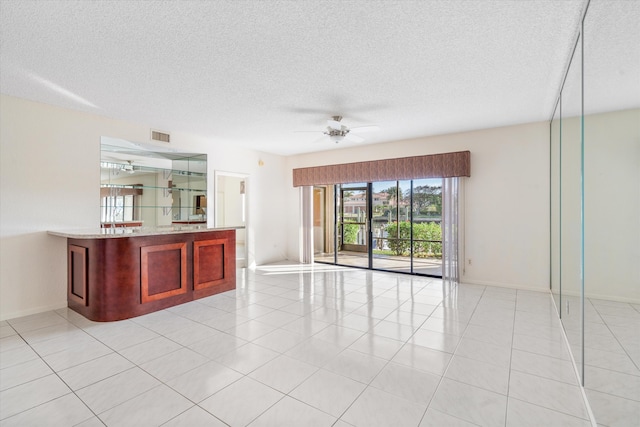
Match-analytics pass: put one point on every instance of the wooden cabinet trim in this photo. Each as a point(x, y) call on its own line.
point(72, 277)
point(145, 251)
point(197, 284)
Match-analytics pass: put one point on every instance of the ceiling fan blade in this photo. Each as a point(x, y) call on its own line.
point(323, 138)
point(353, 138)
point(321, 111)
point(307, 131)
point(365, 128)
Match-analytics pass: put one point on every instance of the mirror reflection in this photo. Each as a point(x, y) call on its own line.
point(595, 210)
point(570, 162)
point(611, 122)
point(145, 185)
point(555, 150)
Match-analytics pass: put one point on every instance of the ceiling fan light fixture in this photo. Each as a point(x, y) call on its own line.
point(334, 123)
point(337, 132)
point(128, 167)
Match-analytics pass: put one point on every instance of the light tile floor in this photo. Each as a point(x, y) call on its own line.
point(300, 346)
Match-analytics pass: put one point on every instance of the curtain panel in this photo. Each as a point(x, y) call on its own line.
point(444, 165)
point(306, 225)
point(450, 230)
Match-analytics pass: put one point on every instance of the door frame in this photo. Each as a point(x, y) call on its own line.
point(338, 226)
point(247, 217)
point(338, 212)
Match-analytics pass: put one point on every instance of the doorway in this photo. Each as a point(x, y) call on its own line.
point(352, 226)
point(231, 209)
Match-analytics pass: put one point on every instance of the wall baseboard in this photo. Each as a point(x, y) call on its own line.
point(603, 297)
point(543, 288)
point(612, 298)
point(36, 310)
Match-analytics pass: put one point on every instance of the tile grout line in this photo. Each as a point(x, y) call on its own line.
point(71, 391)
point(513, 333)
point(614, 336)
point(446, 368)
point(567, 345)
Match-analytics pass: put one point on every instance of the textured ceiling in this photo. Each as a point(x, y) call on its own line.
point(250, 73)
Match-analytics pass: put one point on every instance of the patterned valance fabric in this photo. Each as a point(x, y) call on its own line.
point(446, 165)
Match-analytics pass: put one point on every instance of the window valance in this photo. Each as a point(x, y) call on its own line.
point(444, 165)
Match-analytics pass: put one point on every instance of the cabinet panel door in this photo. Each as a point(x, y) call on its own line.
point(163, 271)
point(210, 259)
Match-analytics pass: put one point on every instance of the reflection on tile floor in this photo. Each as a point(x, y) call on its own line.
point(611, 358)
point(424, 266)
point(302, 346)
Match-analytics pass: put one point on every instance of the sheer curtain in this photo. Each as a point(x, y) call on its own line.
point(306, 224)
point(450, 227)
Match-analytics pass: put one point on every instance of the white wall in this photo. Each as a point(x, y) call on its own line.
point(50, 179)
point(506, 198)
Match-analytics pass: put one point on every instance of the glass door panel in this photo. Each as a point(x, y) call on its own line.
point(426, 214)
point(381, 216)
point(384, 215)
point(351, 227)
point(391, 224)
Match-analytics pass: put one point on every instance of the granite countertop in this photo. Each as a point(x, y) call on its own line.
point(107, 233)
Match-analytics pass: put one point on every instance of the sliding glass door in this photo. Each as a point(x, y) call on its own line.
point(386, 225)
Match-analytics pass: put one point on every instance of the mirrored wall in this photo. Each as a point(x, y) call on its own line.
point(595, 209)
point(144, 185)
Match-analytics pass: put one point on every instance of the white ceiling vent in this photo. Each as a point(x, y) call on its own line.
point(157, 135)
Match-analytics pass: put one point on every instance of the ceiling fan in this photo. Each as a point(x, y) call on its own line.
point(128, 167)
point(337, 132)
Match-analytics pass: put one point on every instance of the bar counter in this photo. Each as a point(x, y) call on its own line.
point(119, 273)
